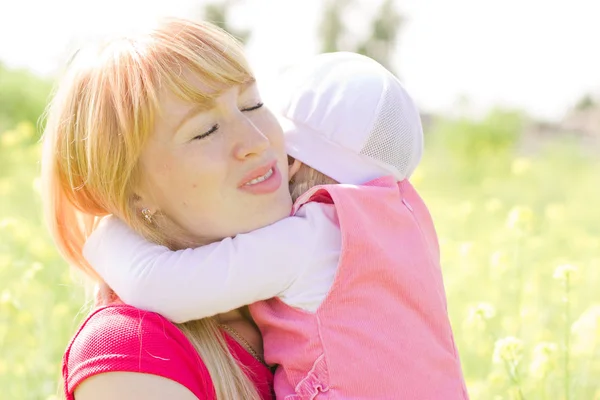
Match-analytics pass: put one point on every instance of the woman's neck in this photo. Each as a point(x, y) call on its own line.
point(241, 322)
point(231, 316)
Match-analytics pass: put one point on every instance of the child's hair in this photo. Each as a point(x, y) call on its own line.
point(98, 123)
point(305, 178)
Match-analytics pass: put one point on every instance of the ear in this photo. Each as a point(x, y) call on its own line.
point(293, 168)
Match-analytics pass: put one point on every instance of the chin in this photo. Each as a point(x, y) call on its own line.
point(275, 210)
point(279, 213)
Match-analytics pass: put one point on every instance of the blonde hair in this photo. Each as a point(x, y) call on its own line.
point(306, 178)
point(97, 125)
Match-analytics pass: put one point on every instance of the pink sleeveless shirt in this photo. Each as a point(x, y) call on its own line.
point(383, 331)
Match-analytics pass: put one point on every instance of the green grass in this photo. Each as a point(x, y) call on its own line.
point(506, 224)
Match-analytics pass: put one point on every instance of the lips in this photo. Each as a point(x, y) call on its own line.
point(260, 178)
point(261, 181)
point(259, 174)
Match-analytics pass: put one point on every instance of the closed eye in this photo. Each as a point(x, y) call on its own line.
point(216, 127)
point(207, 133)
point(256, 107)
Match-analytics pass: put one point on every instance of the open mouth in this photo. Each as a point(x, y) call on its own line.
point(260, 178)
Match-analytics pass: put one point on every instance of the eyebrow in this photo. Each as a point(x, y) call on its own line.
point(210, 104)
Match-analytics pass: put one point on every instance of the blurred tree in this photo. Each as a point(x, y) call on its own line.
point(585, 103)
point(332, 27)
point(218, 13)
point(380, 42)
point(23, 97)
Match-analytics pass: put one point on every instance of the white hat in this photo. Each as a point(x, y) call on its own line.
point(348, 117)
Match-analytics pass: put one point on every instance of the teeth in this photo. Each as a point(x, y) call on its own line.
point(260, 178)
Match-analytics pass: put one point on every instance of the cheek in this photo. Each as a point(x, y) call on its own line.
point(155, 172)
point(202, 175)
point(175, 178)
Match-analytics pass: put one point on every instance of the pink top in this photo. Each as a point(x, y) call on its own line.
point(383, 331)
point(124, 338)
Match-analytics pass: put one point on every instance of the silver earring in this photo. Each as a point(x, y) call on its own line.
point(147, 215)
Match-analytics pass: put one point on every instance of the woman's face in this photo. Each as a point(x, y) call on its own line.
point(213, 173)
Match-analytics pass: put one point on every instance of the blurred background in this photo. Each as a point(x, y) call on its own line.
point(510, 99)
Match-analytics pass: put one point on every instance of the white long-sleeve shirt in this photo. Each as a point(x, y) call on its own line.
point(294, 259)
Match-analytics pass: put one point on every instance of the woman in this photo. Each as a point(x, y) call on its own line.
point(167, 131)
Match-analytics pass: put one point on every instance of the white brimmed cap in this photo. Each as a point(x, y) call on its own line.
point(348, 117)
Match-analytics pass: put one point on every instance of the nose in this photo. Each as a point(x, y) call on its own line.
point(250, 140)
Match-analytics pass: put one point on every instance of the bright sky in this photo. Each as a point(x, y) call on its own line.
point(533, 54)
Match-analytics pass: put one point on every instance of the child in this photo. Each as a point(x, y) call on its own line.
point(356, 306)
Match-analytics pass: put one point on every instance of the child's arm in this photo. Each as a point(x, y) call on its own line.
point(196, 283)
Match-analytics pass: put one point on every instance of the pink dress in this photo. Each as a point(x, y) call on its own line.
point(383, 330)
point(126, 339)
